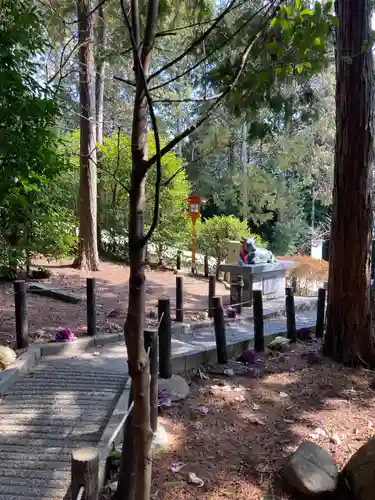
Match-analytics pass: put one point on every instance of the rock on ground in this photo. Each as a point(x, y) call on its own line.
point(360, 471)
point(176, 387)
point(311, 470)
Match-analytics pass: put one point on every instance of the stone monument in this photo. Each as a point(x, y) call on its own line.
point(259, 270)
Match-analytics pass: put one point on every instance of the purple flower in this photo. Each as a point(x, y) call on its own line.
point(64, 335)
point(164, 400)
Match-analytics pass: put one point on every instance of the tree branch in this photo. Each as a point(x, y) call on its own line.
point(88, 15)
point(188, 131)
point(124, 80)
point(65, 62)
point(195, 43)
point(187, 99)
point(138, 63)
point(173, 31)
point(210, 54)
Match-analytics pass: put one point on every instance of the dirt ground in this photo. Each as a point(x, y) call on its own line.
point(46, 315)
point(239, 446)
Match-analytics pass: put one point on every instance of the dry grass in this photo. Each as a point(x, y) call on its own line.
point(308, 268)
point(239, 447)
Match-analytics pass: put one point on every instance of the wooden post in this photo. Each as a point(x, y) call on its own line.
point(319, 328)
point(221, 343)
point(206, 268)
point(179, 299)
point(178, 260)
point(290, 315)
point(165, 338)
point(20, 303)
point(85, 473)
point(91, 306)
point(239, 294)
point(151, 341)
point(258, 321)
point(233, 290)
point(211, 293)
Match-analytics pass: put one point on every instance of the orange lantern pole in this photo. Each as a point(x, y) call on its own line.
point(194, 203)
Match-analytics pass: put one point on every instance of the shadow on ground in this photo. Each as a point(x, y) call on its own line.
point(253, 425)
point(61, 405)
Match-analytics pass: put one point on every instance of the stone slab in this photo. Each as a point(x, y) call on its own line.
point(255, 269)
point(53, 293)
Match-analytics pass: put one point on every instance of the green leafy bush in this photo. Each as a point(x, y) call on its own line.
point(214, 234)
point(30, 158)
point(115, 169)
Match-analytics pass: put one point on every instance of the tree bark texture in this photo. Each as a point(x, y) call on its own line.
point(139, 368)
point(87, 257)
point(349, 330)
point(100, 43)
point(100, 73)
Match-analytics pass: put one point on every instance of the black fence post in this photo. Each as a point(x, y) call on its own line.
point(178, 260)
point(233, 290)
point(221, 343)
point(165, 338)
point(179, 299)
point(290, 315)
point(319, 328)
point(258, 321)
point(20, 303)
point(206, 268)
point(211, 293)
point(91, 306)
point(239, 294)
point(151, 341)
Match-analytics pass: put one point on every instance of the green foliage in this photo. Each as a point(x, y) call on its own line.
point(214, 234)
point(30, 160)
point(115, 169)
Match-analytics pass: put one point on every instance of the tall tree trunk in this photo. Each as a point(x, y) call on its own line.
point(99, 99)
point(100, 73)
point(138, 361)
point(349, 330)
point(87, 257)
point(137, 358)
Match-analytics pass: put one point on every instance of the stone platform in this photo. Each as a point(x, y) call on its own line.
point(270, 278)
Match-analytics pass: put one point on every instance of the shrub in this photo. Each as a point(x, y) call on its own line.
point(213, 236)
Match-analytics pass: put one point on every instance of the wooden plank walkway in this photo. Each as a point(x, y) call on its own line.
point(63, 404)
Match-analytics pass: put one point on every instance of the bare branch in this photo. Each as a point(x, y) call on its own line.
point(173, 31)
point(189, 130)
point(187, 99)
point(118, 148)
point(89, 14)
point(113, 174)
point(124, 80)
point(210, 54)
point(195, 43)
point(65, 62)
point(139, 65)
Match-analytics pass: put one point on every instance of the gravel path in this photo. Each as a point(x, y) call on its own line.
point(64, 403)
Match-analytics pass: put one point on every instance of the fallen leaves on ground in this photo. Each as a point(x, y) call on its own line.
point(239, 446)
